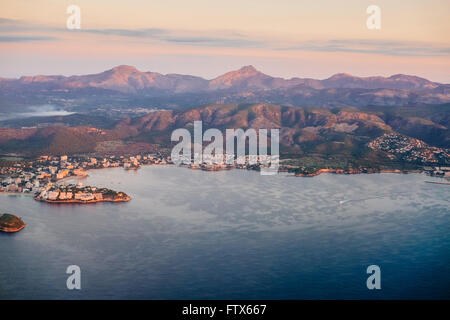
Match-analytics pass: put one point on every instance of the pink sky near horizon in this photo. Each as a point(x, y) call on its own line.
point(203, 38)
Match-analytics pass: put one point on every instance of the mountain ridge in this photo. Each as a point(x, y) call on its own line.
point(125, 86)
point(231, 78)
point(302, 130)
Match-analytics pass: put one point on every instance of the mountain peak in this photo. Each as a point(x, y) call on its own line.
point(237, 78)
point(400, 76)
point(125, 68)
point(248, 69)
point(246, 83)
point(341, 76)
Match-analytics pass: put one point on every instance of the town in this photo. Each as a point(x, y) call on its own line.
point(40, 177)
point(409, 149)
point(44, 177)
point(79, 194)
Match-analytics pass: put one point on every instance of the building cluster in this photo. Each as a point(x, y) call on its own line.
point(43, 173)
point(440, 171)
point(78, 193)
point(227, 162)
point(398, 146)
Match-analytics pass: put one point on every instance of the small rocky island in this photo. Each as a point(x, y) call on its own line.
point(10, 223)
point(79, 194)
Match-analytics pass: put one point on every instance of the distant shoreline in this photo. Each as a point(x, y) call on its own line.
point(316, 173)
point(342, 171)
point(444, 183)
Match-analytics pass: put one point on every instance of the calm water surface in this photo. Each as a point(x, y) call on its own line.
point(234, 235)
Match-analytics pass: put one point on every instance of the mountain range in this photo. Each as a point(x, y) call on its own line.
point(126, 86)
point(341, 134)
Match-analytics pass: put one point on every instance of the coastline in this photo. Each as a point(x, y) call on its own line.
point(442, 183)
point(355, 171)
point(10, 223)
point(12, 230)
point(291, 171)
point(29, 194)
point(76, 201)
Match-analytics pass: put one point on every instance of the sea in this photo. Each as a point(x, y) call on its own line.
point(190, 234)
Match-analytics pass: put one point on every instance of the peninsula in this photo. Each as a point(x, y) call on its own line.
point(10, 223)
point(79, 194)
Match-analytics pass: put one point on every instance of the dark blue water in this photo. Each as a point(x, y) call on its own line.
point(234, 235)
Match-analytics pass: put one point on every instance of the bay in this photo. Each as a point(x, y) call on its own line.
point(189, 234)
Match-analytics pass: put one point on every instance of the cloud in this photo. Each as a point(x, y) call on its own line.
point(134, 33)
point(12, 30)
point(5, 20)
point(231, 39)
point(25, 38)
point(217, 42)
point(195, 38)
point(12, 25)
point(391, 48)
point(174, 36)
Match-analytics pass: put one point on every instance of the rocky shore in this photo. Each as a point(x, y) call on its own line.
point(79, 194)
point(121, 199)
point(10, 223)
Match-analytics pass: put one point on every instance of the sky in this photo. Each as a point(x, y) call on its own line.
point(286, 38)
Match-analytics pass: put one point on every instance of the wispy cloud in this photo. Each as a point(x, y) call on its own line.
point(21, 31)
point(174, 36)
point(134, 33)
point(391, 48)
point(10, 32)
point(25, 38)
point(195, 38)
point(12, 25)
point(217, 42)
